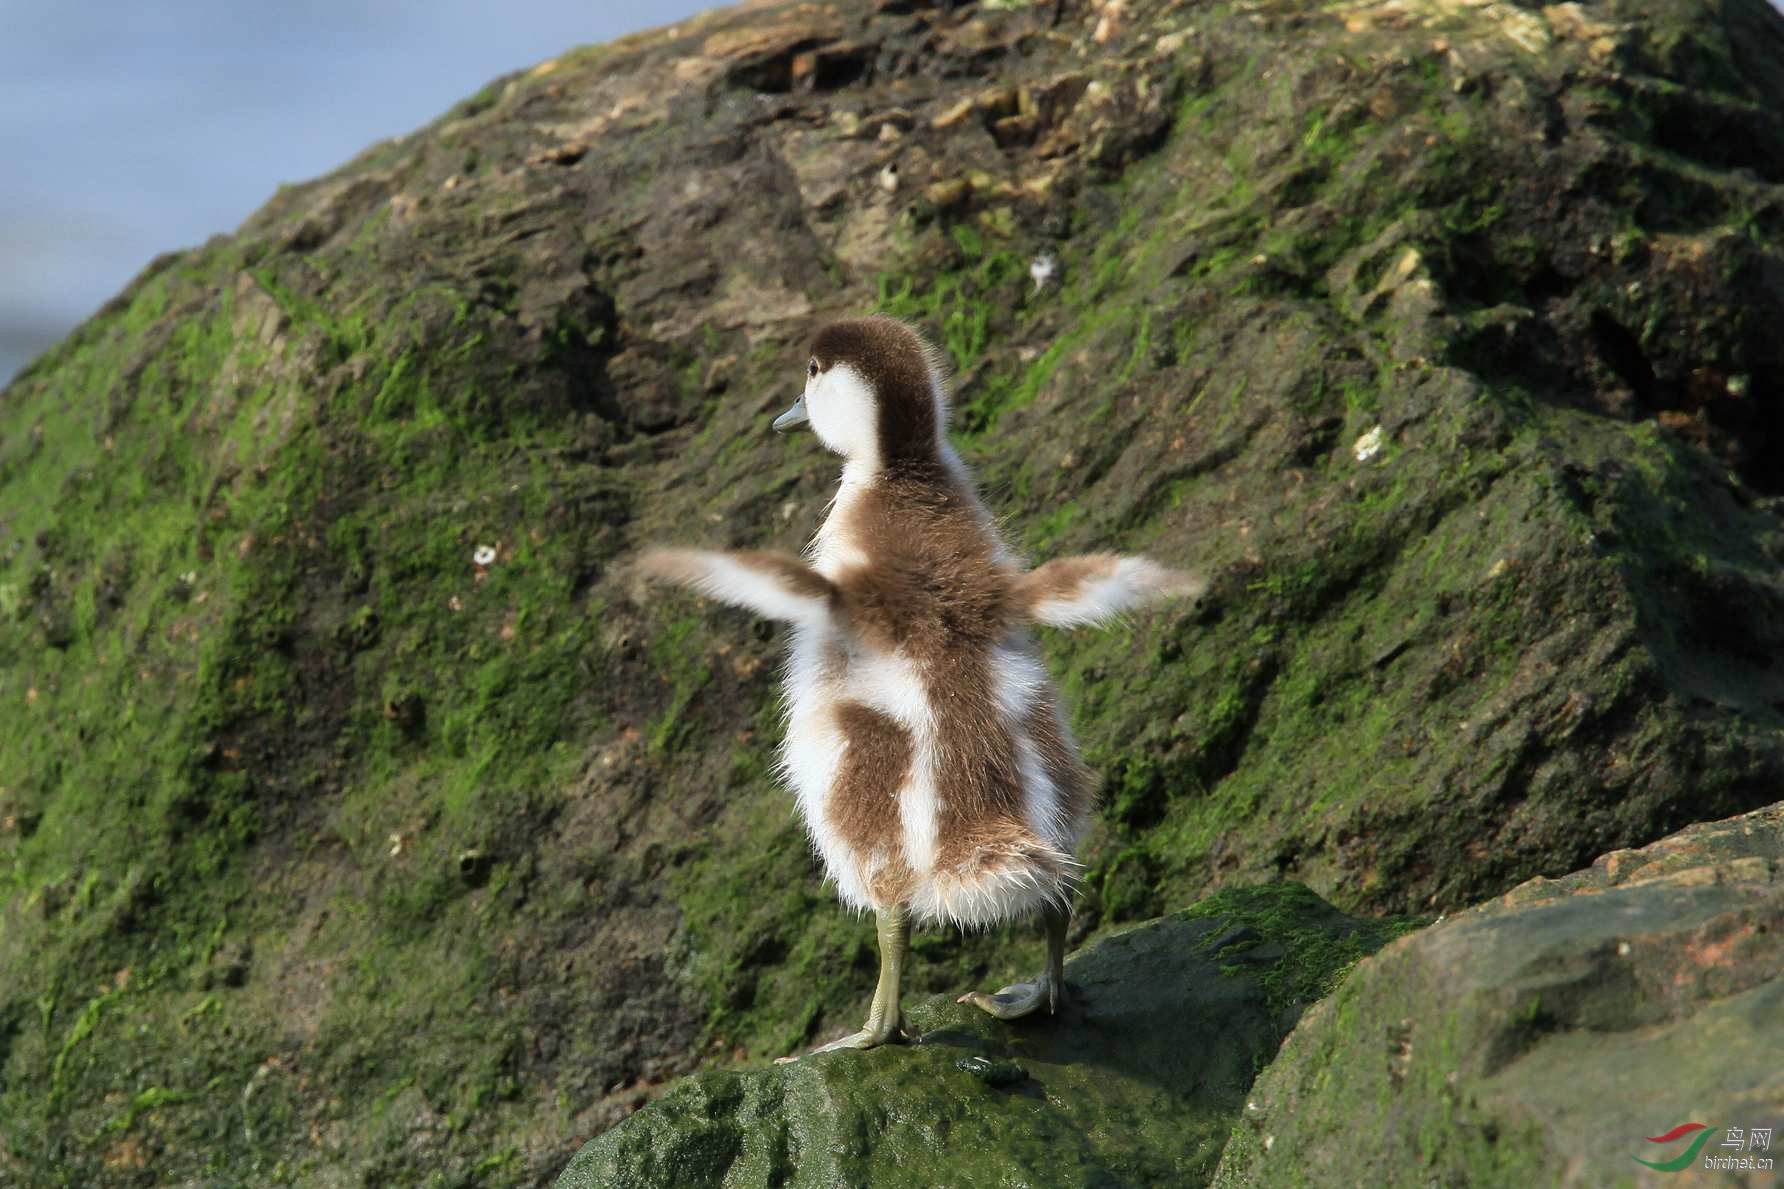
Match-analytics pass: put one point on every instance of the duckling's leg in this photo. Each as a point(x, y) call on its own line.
point(885, 1019)
point(1026, 998)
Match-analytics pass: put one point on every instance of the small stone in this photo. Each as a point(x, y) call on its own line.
point(1368, 445)
point(1108, 24)
point(1409, 263)
point(1170, 43)
point(953, 117)
point(998, 1074)
point(948, 193)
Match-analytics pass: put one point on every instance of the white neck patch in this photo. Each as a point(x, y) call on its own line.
point(845, 414)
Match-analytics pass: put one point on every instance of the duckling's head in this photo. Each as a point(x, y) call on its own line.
point(875, 393)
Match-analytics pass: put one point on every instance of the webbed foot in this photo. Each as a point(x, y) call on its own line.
point(1016, 1001)
point(869, 1037)
point(1024, 999)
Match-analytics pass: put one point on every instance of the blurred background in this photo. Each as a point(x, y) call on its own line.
point(129, 130)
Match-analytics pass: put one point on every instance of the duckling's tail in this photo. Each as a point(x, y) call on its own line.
point(1000, 882)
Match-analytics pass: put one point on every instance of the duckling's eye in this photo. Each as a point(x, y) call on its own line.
point(811, 369)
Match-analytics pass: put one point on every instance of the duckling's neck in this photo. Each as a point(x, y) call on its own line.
point(834, 549)
point(858, 474)
point(937, 481)
point(938, 471)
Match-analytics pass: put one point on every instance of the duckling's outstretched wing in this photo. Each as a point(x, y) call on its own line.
point(773, 585)
point(1095, 588)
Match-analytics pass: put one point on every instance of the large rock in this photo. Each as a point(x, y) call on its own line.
point(358, 822)
point(1138, 1081)
point(1543, 1037)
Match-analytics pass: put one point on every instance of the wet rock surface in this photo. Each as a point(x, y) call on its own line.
point(1440, 336)
point(1544, 1036)
point(1137, 1081)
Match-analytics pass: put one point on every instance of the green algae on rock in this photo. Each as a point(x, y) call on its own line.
point(1137, 1081)
point(357, 822)
point(1541, 1037)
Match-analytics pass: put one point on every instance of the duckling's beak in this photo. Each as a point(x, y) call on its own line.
point(793, 416)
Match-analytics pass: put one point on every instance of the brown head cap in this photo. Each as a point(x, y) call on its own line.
point(903, 371)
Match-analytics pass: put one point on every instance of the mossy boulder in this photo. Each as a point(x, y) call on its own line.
point(356, 818)
point(1543, 1037)
point(1137, 1081)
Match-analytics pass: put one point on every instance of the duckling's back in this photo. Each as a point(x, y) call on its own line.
point(924, 740)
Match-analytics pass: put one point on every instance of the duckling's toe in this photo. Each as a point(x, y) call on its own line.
point(868, 1038)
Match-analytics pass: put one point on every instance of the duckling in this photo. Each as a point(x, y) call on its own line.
point(925, 744)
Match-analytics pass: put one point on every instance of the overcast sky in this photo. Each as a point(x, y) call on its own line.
point(128, 129)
